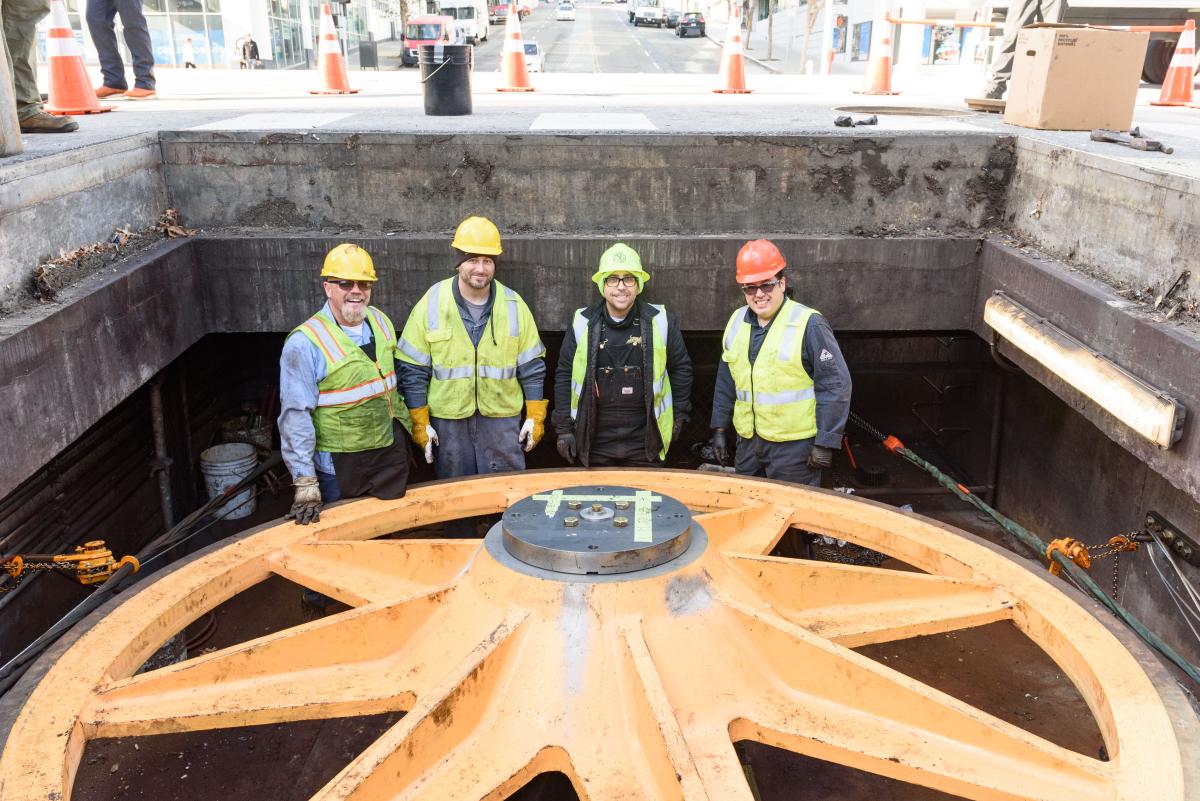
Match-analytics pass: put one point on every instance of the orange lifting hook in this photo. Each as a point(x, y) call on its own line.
point(91, 562)
point(1071, 548)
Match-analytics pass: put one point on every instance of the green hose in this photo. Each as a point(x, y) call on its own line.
point(1034, 542)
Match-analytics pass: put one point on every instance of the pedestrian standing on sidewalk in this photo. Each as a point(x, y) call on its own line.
point(189, 54)
point(249, 53)
point(19, 19)
point(100, 15)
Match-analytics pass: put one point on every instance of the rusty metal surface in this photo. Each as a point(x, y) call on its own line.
point(634, 689)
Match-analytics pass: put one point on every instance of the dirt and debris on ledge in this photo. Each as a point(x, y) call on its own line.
point(53, 275)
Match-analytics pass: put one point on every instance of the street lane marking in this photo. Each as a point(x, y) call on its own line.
point(267, 122)
point(592, 122)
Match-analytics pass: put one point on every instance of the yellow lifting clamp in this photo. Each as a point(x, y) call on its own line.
point(91, 563)
point(1071, 548)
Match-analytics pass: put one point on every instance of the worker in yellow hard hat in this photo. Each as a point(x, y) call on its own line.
point(471, 362)
point(623, 388)
point(340, 413)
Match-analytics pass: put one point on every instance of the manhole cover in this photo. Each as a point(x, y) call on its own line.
point(904, 111)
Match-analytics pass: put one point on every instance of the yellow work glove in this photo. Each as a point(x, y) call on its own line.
point(535, 423)
point(423, 433)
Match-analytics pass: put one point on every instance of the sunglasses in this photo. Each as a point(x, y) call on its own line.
point(766, 287)
point(346, 286)
point(615, 280)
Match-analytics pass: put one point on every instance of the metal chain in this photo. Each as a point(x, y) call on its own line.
point(29, 567)
point(1116, 574)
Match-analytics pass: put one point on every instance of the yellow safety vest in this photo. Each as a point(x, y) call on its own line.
point(467, 378)
point(775, 397)
point(357, 397)
point(664, 411)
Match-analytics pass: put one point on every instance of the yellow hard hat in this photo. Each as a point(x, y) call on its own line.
point(478, 236)
point(350, 262)
point(620, 258)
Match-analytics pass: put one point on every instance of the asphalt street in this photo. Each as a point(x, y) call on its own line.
point(601, 39)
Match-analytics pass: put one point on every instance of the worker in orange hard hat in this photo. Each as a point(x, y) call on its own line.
point(782, 382)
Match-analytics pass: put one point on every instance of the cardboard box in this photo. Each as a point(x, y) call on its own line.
point(1075, 78)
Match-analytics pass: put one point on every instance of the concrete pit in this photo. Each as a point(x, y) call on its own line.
point(899, 240)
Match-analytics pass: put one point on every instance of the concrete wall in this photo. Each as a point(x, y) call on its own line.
point(688, 185)
point(75, 198)
point(1130, 225)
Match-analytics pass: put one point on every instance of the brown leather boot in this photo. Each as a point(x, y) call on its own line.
point(137, 93)
point(108, 91)
point(41, 122)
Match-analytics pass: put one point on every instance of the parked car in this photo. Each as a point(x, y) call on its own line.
point(689, 23)
point(565, 13)
point(423, 30)
point(533, 56)
point(672, 18)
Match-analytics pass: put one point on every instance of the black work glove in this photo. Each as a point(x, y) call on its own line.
point(676, 427)
point(306, 506)
point(720, 446)
point(820, 458)
point(566, 447)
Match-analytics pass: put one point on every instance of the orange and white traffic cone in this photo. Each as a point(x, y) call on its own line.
point(732, 74)
point(71, 89)
point(331, 64)
point(878, 80)
point(1177, 88)
point(513, 75)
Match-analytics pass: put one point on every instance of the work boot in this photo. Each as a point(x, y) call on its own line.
point(41, 122)
point(995, 92)
point(108, 91)
point(138, 93)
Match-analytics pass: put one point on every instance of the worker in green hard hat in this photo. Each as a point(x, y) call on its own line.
point(623, 388)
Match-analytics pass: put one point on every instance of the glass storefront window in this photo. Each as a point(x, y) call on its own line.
point(191, 26)
point(212, 5)
point(160, 39)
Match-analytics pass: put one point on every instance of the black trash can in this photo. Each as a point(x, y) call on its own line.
point(446, 74)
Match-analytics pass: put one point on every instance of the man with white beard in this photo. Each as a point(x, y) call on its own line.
point(339, 406)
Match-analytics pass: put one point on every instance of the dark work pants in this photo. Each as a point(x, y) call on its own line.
point(100, 16)
point(1020, 14)
point(785, 461)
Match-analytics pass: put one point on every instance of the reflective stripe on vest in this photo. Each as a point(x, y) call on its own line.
point(357, 398)
point(774, 397)
point(663, 410)
point(466, 377)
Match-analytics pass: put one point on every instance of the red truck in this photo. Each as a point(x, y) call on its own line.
point(424, 30)
point(498, 12)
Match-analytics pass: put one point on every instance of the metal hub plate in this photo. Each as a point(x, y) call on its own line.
point(597, 530)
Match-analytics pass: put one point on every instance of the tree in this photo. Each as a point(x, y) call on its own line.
point(815, 7)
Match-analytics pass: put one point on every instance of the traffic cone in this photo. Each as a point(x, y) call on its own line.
point(1177, 88)
point(330, 61)
point(71, 89)
point(732, 74)
point(878, 80)
point(513, 75)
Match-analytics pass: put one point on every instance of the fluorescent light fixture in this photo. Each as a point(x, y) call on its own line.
point(1149, 411)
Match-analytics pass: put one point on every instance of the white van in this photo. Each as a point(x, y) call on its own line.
point(470, 18)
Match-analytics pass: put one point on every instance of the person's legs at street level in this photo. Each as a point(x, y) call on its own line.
point(1020, 14)
point(100, 16)
point(137, 37)
point(20, 35)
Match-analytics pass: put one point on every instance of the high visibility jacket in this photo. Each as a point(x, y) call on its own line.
point(357, 398)
point(774, 396)
point(467, 378)
point(662, 409)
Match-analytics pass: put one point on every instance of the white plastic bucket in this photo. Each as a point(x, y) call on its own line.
point(226, 465)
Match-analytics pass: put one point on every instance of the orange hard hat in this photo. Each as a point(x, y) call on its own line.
point(758, 261)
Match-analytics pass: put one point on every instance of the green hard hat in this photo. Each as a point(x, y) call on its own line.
point(620, 258)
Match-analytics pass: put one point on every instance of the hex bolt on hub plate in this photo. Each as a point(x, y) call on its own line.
point(635, 685)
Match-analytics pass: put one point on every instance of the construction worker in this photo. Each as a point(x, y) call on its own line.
point(340, 413)
point(782, 381)
point(470, 353)
point(624, 383)
point(1020, 14)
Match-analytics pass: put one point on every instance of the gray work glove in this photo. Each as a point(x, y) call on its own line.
point(567, 448)
point(720, 446)
point(676, 427)
point(306, 505)
point(820, 458)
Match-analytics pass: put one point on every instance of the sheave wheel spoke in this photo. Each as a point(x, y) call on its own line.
point(753, 529)
point(358, 573)
point(856, 606)
point(831, 703)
